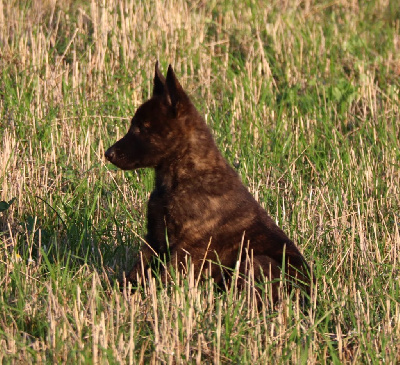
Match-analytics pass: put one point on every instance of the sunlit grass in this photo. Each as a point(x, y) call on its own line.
point(303, 101)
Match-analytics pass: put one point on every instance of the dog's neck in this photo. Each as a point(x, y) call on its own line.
point(195, 158)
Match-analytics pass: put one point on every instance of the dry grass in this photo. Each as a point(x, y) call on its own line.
point(303, 98)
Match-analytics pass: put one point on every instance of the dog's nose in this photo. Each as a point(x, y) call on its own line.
point(109, 155)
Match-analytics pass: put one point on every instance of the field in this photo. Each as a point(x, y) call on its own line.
point(303, 100)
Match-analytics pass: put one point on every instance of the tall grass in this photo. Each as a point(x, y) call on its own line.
point(303, 99)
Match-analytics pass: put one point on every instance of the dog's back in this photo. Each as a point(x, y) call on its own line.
point(199, 205)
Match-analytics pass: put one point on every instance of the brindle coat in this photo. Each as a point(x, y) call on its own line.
point(199, 202)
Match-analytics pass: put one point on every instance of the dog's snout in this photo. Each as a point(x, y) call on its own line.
point(110, 153)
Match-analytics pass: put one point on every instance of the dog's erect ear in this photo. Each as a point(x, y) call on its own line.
point(159, 82)
point(176, 93)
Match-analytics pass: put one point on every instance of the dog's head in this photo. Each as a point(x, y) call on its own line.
point(158, 128)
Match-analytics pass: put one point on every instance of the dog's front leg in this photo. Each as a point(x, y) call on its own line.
point(141, 266)
point(180, 264)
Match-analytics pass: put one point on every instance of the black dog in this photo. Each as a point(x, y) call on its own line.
point(199, 202)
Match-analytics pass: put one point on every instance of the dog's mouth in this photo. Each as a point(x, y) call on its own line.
point(119, 160)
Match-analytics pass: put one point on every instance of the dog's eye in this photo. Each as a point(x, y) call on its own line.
point(135, 129)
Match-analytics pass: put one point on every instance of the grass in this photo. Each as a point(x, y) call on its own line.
point(303, 99)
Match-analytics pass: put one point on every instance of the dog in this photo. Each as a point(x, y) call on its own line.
point(199, 208)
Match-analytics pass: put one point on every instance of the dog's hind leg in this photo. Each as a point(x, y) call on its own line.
point(260, 269)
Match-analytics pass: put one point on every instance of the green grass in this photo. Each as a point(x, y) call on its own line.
point(302, 99)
